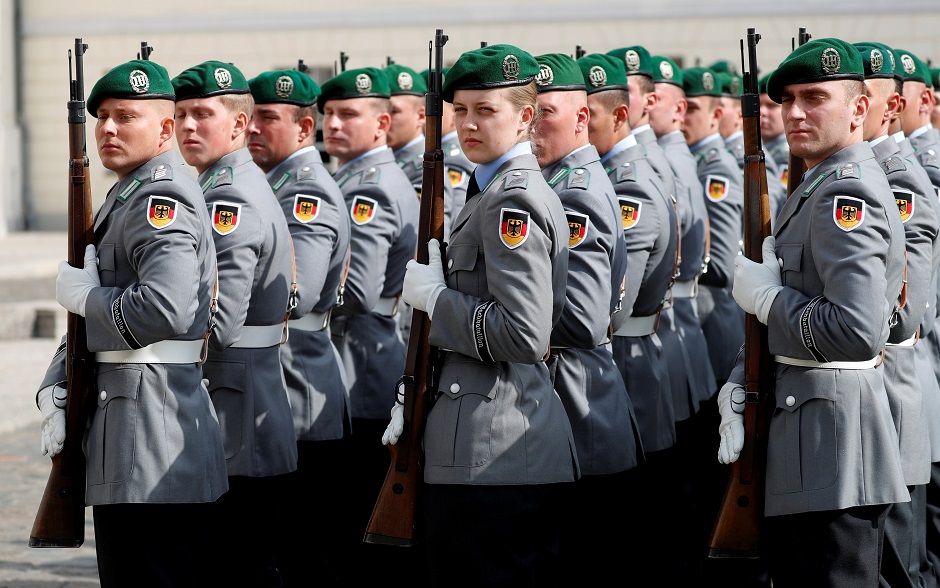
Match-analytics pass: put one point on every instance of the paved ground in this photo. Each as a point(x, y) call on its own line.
point(28, 307)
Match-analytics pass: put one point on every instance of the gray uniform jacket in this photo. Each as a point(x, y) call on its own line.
point(650, 231)
point(253, 249)
point(832, 443)
point(411, 160)
point(458, 169)
point(383, 235)
point(319, 228)
point(153, 435)
point(496, 419)
point(680, 330)
point(656, 156)
point(722, 319)
point(915, 201)
point(779, 150)
point(581, 362)
point(927, 149)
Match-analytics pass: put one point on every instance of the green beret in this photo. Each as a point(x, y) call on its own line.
point(912, 68)
point(365, 82)
point(405, 81)
point(636, 59)
point(284, 86)
point(558, 71)
point(602, 72)
point(819, 60)
point(210, 78)
point(730, 85)
point(723, 66)
point(878, 60)
point(700, 81)
point(493, 66)
point(762, 83)
point(665, 71)
point(135, 79)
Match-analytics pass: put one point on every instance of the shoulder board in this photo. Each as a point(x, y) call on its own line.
point(579, 178)
point(517, 179)
point(371, 176)
point(161, 172)
point(712, 155)
point(848, 170)
point(452, 149)
point(124, 194)
point(893, 164)
point(306, 173)
point(223, 177)
point(929, 158)
point(626, 172)
point(812, 187)
point(280, 182)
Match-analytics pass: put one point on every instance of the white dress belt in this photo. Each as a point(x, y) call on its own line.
point(829, 365)
point(170, 351)
point(907, 342)
point(386, 306)
point(687, 289)
point(257, 337)
point(637, 326)
point(314, 321)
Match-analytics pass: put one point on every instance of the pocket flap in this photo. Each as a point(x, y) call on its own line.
point(225, 374)
point(117, 382)
point(792, 255)
point(106, 257)
point(463, 375)
point(461, 257)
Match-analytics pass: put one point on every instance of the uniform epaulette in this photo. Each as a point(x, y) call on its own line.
point(712, 155)
point(848, 170)
point(452, 149)
point(306, 173)
point(223, 177)
point(579, 178)
point(517, 179)
point(371, 176)
point(893, 164)
point(626, 172)
point(161, 172)
point(929, 158)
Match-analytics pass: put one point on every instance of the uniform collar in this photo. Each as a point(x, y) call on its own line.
point(484, 172)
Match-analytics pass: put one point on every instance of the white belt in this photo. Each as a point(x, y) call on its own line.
point(637, 326)
point(686, 289)
point(386, 306)
point(314, 321)
point(906, 343)
point(829, 365)
point(259, 337)
point(160, 352)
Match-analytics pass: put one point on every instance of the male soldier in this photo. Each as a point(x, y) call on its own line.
point(650, 229)
point(722, 321)
point(935, 113)
point(246, 382)
point(406, 131)
point(581, 363)
point(643, 97)
point(773, 140)
point(904, 527)
point(915, 118)
point(280, 139)
point(153, 447)
point(383, 236)
point(826, 290)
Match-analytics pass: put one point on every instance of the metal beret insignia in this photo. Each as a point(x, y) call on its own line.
point(363, 83)
point(511, 67)
point(546, 75)
point(877, 60)
point(284, 86)
point(891, 56)
point(598, 76)
point(223, 77)
point(665, 68)
point(404, 81)
point(735, 86)
point(908, 64)
point(708, 81)
point(139, 81)
point(632, 60)
point(830, 60)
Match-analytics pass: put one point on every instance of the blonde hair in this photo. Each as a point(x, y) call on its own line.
point(522, 96)
point(236, 103)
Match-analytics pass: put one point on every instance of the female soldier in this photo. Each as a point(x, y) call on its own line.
point(497, 443)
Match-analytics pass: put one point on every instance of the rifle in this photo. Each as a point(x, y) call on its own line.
point(393, 518)
point(145, 51)
point(60, 521)
point(579, 52)
point(343, 58)
point(389, 61)
point(796, 167)
point(302, 67)
point(737, 528)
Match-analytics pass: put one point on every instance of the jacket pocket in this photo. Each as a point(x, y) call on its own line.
point(461, 261)
point(113, 435)
point(791, 256)
point(227, 384)
point(107, 265)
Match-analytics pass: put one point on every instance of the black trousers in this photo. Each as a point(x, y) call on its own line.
point(832, 548)
point(152, 545)
point(904, 534)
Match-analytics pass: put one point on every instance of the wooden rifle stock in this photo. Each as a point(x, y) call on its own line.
point(737, 528)
point(393, 520)
point(60, 521)
point(796, 167)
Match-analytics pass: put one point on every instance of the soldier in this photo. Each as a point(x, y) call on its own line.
point(935, 113)
point(905, 533)
point(826, 290)
point(383, 212)
point(649, 227)
point(915, 118)
point(153, 446)
point(406, 131)
point(581, 363)
point(246, 382)
point(497, 443)
point(280, 139)
point(773, 140)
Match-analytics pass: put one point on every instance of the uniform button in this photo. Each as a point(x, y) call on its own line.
point(454, 388)
point(517, 173)
point(791, 401)
point(780, 262)
point(104, 395)
point(578, 172)
point(450, 263)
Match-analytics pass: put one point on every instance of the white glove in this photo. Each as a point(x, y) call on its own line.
point(73, 284)
point(51, 401)
point(756, 285)
point(395, 426)
point(424, 283)
point(731, 429)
